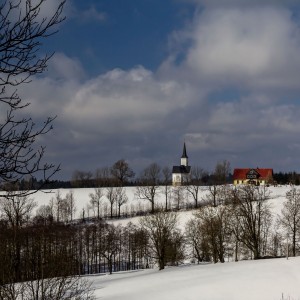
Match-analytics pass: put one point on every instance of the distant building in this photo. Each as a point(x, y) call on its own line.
point(181, 174)
point(253, 176)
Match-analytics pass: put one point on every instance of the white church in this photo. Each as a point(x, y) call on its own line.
point(181, 174)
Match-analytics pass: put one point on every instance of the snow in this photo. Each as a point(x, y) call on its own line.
point(244, 280)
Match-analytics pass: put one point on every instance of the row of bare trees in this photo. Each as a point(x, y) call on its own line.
point(41, 249)
point(64, 208)
point(113, 202)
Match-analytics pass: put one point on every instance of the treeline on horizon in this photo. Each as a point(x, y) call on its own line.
point(121, 174)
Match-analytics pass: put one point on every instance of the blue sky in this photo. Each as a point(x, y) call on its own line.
point(120, 34)
point(134, 79)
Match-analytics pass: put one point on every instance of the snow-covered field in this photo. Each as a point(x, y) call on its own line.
point(245, 280)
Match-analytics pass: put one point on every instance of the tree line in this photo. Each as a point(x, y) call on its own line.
point(121, 174)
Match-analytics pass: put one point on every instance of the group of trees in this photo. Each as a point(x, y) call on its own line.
point(40, 247)
point(244, 227)
point(63, 209)
point(119, 174)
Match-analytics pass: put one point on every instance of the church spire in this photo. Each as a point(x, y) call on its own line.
point(184, 157)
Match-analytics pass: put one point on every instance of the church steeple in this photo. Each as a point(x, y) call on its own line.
point(184, 157)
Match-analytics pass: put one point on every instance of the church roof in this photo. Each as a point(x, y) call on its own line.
point(181, 169)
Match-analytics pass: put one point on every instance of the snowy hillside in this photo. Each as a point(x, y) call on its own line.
point(244, 280)
point(82, 199)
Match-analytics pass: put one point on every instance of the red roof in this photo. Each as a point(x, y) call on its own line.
point(241, 174)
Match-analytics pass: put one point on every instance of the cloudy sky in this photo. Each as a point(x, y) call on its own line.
point(134, 79)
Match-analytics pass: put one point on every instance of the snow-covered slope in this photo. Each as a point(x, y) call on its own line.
point(244, 280)
point(82, 199)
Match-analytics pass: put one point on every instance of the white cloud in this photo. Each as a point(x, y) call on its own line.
point(133, 100)
point(64, 67)
point(92, 14)
point(256, 47)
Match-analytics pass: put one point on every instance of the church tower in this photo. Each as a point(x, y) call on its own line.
point(181, 174)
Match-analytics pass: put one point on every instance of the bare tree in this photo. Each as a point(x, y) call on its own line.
point(149, 184)
point(57, 203)
point(110, 243)
point(70, 204)
point(44, 211)
point(64, 208)
point(178, 196)
point(193, 185)
point(214, 222)
point(121, 199)
point(167, 176)
point(17, 209)
point(22, 31)
point(222, 171)
point(161, 228)
point(95, 200)
point(214, 195)
point(111, 197)
point(82, 179)
point(253, 217)
point(235, 232)
point(11, 291)
point(122, 172)
point(103, 177)
point(196, 240)
point(57, 288)
point(290, 216)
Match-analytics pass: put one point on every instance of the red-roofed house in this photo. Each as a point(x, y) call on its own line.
point(253, 176)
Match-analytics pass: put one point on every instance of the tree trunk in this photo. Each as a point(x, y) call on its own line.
point(161, 263)
point(236, 251)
